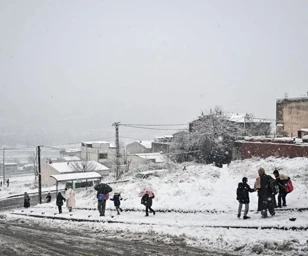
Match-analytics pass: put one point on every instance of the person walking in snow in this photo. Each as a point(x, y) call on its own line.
point(242, 195)
point(70, 198)
point(26, 200)
point(281, 180)
point(101, 202)
point(8, 182)
point(116, 200)
point(59, 202)
point(147, 200)
point(267, 193)
point(48, 198)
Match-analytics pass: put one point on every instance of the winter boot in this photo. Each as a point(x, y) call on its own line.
point(246, 217)
point(264, 214)
point(239, 215)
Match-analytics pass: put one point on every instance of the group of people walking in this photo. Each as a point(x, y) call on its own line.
point(102, 197)
point(267, 187)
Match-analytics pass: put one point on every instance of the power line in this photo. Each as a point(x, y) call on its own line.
point(154, 124)
point(149, 128)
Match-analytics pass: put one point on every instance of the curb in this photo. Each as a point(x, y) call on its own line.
point(293, 228)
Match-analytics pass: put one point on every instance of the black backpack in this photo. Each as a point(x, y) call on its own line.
point(272, 185)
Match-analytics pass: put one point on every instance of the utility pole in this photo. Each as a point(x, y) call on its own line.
point(39, 174)
point(3, 165)
point(116, 125)
point(190, 127)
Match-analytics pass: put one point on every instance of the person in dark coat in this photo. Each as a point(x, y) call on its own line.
point(242, 195)
point(146, 200)
point(281, 180)
point(26, 200)
point(101, 202)
point(48, 198)
point(116, 200)
point(266, 194)
point(59, 201)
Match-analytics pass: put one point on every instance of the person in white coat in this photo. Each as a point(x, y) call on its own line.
point(70, 198)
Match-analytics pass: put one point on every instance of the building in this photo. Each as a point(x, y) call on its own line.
point(141, 146)
point(291, 116)
point(71, 152)
point(9, 167)
point(98, 151)
point(145, 158)
point(164, 139)
point(48, 169)
point(251, 126)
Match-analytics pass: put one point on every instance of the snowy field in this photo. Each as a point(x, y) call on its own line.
point(202, 206)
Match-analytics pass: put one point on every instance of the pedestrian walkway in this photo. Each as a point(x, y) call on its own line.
point(223, 220)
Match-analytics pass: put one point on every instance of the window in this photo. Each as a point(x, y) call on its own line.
point(102, 156)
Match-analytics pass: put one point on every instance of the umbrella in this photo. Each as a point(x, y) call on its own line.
point(103, 188)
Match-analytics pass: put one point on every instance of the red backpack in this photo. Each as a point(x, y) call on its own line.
point(288, 186)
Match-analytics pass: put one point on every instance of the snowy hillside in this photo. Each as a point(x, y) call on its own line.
point(205, 187)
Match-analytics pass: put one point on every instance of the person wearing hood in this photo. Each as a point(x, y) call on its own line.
point(116, 200)
point(281, 180)
point(48, 198)
point(147, 201)
point(70, 198)
point(266, 193)
point(242, 195)
point(59, 202)
point(26, 200)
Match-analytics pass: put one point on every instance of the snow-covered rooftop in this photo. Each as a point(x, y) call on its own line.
point(304, 130)
point(76, 176)
point(158, 157)
point(292, 99)
point(243, 117)
point(78, 165)
point(71, 158)
point(99, 142)
point(146, 143)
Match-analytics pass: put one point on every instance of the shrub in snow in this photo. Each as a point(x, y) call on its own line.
point(212, 136)
point(257, 248)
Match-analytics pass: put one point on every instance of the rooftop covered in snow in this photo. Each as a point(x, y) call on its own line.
point(74, 166)
point(157, 157)
point(77, 176)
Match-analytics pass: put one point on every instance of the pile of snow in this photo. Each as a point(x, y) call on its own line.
point(201, 187)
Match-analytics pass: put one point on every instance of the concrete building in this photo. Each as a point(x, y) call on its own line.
point(98, 151)
point(291, 116)
point(141, 146)
point(144, 158)
point(70, 167)
point(9, 167)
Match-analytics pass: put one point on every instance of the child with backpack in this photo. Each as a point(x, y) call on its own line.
point(242, 195)
point(101, 204)
point(116, 200)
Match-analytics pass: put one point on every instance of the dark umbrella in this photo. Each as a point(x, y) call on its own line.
point(103, 188)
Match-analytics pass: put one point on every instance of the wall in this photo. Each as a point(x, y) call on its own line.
point(46, 171)
point(136, 148)
point(245, 150)
point(160, 147)
point(293, 115)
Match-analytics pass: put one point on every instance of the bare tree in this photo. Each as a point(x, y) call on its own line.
point(32, 159)
point(212, 136)
point(82, 166)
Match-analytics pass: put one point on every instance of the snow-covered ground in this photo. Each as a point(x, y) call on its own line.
point(210, 192)
point(21, 184)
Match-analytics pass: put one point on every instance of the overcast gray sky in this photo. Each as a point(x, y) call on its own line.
point(73, 67)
